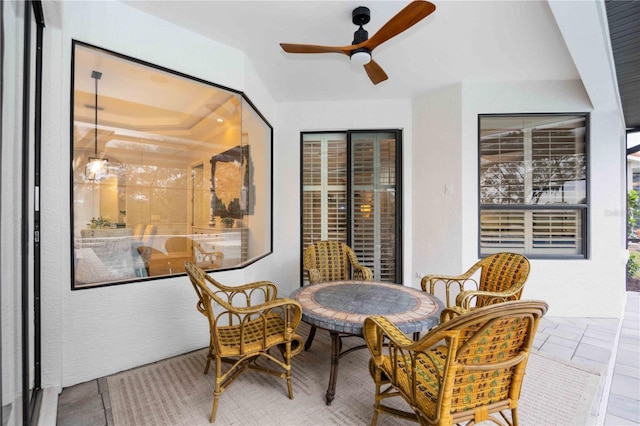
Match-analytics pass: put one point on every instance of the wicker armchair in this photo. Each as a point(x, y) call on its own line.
point(502, 278)
point(247, 323)
point(467, 369)
point(331, 261)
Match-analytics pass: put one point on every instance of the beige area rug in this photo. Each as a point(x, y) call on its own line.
point(175, 392)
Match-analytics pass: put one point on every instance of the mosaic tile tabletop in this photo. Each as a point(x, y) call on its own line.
point(343, 305)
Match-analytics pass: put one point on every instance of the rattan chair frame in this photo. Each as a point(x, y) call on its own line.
point(447, 355)
point(247, 323)
point(502, 278)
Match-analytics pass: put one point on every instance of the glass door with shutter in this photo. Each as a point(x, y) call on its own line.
point(324, 187)
point(351, 192)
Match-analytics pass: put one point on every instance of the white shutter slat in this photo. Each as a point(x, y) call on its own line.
point(502, 229)
point(557, 229)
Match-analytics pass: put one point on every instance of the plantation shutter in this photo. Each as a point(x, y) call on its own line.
point(373, 168)
point(502, 230)
point(557, 229)
point(324, 195)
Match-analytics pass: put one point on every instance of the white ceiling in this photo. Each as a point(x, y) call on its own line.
point(461, 41)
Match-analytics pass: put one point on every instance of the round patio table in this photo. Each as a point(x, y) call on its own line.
point(341, 307)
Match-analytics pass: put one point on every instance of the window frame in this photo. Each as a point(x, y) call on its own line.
point(398, 209)
point(248, 111)
point(582, 208)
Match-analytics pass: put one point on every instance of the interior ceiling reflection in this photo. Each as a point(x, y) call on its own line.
point(144, 110)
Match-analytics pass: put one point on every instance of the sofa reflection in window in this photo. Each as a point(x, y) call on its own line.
point(107, 258)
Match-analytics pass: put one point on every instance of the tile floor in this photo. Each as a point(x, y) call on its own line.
point(589, 342)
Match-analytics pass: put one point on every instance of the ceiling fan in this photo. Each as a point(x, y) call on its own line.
point(362, 46)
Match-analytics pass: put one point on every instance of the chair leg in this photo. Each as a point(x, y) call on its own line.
point(289, 386)
point(376, 405)
point(312, 334)
point(514, 416)
point(209, 357)
point(374, 419)
point(287, 361)
point(217, 391)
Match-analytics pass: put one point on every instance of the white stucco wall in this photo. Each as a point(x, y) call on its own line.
point(11, 212)
point(448, 148)
point(92, 333)
point(437, 152)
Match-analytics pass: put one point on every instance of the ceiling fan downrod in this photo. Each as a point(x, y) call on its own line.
point(360, 16)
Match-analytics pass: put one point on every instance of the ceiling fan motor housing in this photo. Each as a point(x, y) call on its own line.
point(360, 16)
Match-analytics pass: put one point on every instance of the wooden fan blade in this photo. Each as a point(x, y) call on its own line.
point(375, 72)
point(312, 48)
point(413, 13)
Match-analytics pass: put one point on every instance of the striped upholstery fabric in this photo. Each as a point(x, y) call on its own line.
point(504, 271)
point(502, 278)
point(465, 369)
point(245, 322)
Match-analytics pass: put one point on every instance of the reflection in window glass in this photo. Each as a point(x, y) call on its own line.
point(533, 184)
point(166, 169)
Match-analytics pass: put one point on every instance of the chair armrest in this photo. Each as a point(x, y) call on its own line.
point(464, 298)
point(450, 313)
point(430, 282)
point(376, 329)
point(267, 306)
point(362, 273)
point(380, 332)
point(313, 275)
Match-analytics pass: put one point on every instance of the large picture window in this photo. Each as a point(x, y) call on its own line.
point(533, 184)
point(166, 169)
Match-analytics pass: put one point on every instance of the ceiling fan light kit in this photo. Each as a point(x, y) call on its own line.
point(361, 57)
point(362, 46)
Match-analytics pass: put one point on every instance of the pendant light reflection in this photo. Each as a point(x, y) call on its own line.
point(96, 168)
